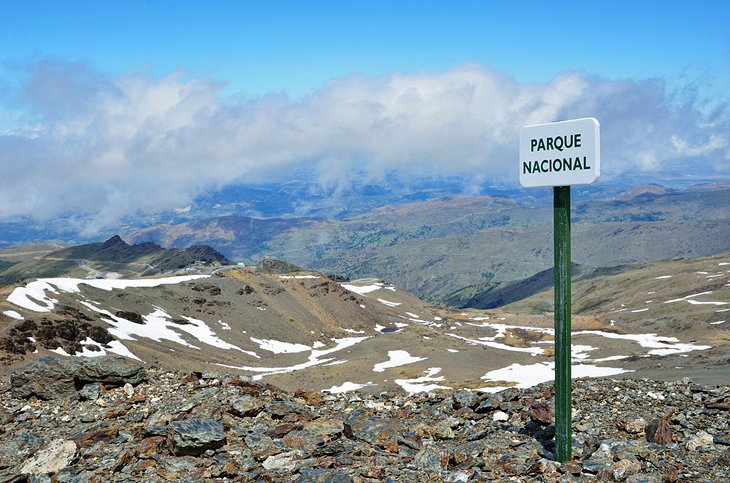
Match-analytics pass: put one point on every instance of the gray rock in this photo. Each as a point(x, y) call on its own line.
point(90, 392)
point(193, 436)
point(245, 406)
point(379, 432)
point(52, 378)
point(317, 475)
point(175, 432)
point(283, 461)
point(45, 378)
point(52, 459)
point(115, 370)
point(464, 398)
point(431, 458)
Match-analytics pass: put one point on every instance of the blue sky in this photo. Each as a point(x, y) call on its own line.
point(262, 46)
point(145, 105)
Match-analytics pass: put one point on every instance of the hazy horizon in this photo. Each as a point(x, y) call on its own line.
point(131, 109)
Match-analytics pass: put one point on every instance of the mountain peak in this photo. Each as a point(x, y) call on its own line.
point(113, 241)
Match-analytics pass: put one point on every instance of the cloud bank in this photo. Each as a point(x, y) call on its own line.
point(105, 148)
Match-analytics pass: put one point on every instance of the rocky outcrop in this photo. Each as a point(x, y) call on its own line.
point(270, 265)
point(52, 378)
point(202, 427)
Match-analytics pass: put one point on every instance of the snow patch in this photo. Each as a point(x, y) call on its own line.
point(315, 358)
point(389, 303)
point(278, 347)
point(59, 350)
point(610, 358)
point(33, 296)
point(14, 315)
point(347, 387)
point(660, 346)
point(689, 298)
point(397, 358)
point(420, 384)
point(524, 376)
point(159, 325)
point(362, 289)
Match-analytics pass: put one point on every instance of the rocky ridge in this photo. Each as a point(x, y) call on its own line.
point(113, 420)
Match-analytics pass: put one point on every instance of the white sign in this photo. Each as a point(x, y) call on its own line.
point(560, 153)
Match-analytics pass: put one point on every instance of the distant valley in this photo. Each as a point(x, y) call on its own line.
point(444, 249)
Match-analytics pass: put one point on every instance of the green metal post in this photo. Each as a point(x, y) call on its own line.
point(563, 416)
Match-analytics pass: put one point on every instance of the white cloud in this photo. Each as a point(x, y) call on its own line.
point(105, 148)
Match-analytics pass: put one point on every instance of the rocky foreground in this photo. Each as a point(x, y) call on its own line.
point(109, 419)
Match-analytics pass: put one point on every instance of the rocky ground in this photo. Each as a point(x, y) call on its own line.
point(110, 419)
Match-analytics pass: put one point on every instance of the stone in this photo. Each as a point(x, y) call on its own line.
point(283, 461)
point(114, 370)
point(464, 398)
point(703, 438)
point(379, 432)
point(52, 459)
point(90, 438)
point(723, 439)
point(431, 458)
point(621, 470)
point(632, 426)
point(659, 432)
point(52, 378)
point(320, 475)
point(361, 437)
point(45, 378)
point(193, 436)
point(500, 416)
point(90, 392)
point(542, 412)
point(245, 406)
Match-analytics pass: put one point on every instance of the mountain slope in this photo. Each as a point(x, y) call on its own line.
point(303, 330)
point(239, 237)
point(114, 258)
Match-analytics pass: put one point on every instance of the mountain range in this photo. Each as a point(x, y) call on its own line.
point(113, 258)
point(444, 249)
point(301, 329)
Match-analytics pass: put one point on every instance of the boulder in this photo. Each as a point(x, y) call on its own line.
point(45, 378)
point(53, 378)
point(114, 370)
point(52, 459)
point(193, 436)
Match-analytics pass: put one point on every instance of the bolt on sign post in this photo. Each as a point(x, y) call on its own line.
point(561, 154)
